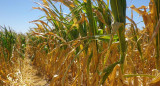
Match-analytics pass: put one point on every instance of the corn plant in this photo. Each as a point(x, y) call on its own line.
point(21, 45)
point(119, 12)
point(76, 30)
point(8, 54)
point(83, 47)
point(88, 45)
point(8, 40)
point(157, 15)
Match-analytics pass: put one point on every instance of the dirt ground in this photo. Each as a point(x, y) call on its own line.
point(27, 75)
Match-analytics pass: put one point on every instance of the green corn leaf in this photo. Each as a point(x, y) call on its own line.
point(107, 71)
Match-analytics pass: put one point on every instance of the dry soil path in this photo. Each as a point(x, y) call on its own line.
point(27, 75)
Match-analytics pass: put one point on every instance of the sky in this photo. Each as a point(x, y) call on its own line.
point(18, 13)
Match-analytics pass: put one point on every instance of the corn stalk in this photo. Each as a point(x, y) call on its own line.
point(157, 5)
point(119, 13)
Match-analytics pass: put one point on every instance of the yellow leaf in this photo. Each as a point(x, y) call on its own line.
point(85, 1)
point(114, 75)
point(81, 47)
point(77, 22)
point(155, 81)
point(72, 5)
point(99, 15)
point(42, 22)
point(137, 10)
point(45, 2)
point(143, 7)
point(42, 9)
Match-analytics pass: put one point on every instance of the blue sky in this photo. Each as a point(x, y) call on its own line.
point(18, 13)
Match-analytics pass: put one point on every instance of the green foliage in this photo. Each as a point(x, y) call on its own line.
point(108, 70)
point(7, 42)
point(119, 13)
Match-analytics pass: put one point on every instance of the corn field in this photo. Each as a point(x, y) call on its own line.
point(92, 45)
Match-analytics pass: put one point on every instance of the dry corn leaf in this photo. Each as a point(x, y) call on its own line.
point(114, 75)
point(155, 81)
point(85, 1)
point(45, 2)
point(67, 3)
point(137, 10)
point(42, 9)
point(147, 18)
point(99, 15)
point(76, 23)
point(143, 7)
